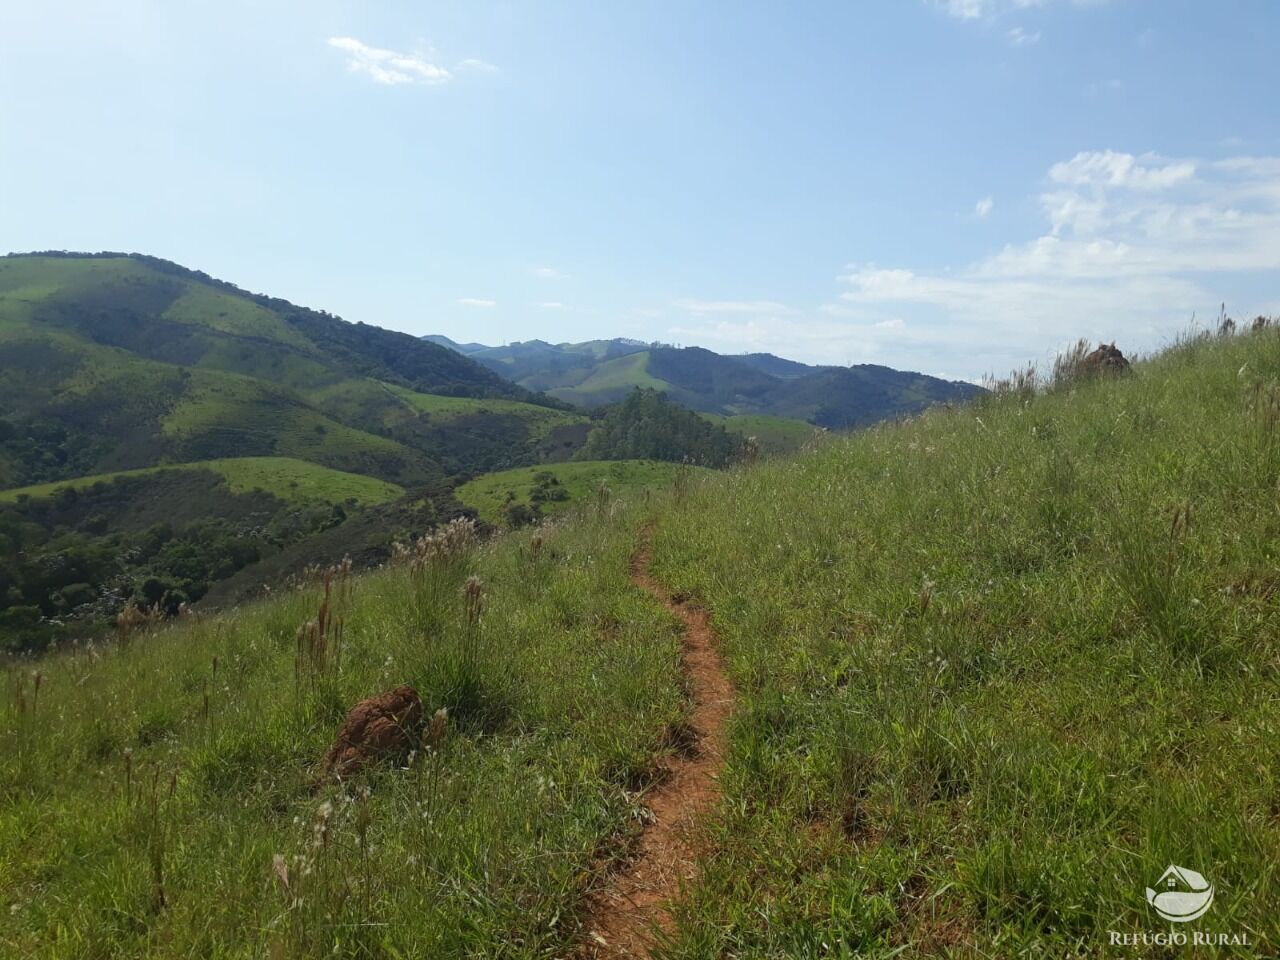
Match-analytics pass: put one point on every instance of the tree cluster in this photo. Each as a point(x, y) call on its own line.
point(648, 426)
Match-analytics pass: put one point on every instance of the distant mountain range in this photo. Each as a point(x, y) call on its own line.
point(598, 372)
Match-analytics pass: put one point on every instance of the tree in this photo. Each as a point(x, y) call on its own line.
point(648, 426)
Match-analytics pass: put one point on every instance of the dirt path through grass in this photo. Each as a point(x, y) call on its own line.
point(636, 902)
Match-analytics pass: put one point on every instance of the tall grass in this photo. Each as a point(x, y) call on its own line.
point(999, 667)
point(158, 798)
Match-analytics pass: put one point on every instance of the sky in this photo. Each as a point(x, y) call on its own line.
point(952, 186)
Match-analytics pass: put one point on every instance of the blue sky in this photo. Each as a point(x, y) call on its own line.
point(956, 187)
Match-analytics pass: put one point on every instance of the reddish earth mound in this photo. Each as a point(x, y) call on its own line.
point(379, 728)
point(1106, 359)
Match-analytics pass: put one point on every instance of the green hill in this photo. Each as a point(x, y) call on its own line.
point(601, 372)
point(281, 477)
point(161, 311)
point(136, 360)
point(994, 669)
point(775, 435)
point(112, 365)
point(559, 487)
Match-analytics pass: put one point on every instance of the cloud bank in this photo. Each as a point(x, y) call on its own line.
point(1131, 246)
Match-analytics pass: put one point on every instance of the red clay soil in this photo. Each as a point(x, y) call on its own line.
point(636, 903)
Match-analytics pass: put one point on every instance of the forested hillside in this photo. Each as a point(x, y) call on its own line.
point(648, 426)
point(276, 425)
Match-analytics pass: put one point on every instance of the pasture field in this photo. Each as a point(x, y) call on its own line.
point(579, 479)
point(290, 480)
point(775, 435)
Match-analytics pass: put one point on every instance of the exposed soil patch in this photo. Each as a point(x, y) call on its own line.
point(636, 903)
point(375, 729)
point(1106, 359)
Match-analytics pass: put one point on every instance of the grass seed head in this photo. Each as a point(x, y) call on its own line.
point(434, 733)
point(281, 869)
point(473, 594)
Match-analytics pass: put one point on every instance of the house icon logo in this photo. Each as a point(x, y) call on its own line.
point(1180, 895)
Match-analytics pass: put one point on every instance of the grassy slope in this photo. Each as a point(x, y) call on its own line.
point(987, 692)
point(581, 479)
point(288, 479)
point(611, 381)
point(488, 849)
point(161, 363)
point(989, 687)
point(541, 420)
point(776, 435)
point(204, 306)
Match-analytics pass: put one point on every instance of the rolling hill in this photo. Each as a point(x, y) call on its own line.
point(167, 437)
point(111, 362)
point(281, 477)
point(600, 372)
point(162, 431)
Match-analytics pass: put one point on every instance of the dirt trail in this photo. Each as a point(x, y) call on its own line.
point(636, 901)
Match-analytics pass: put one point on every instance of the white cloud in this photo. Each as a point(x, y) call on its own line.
point(965, 9)
point(548, 273)
point(986, 9)
point(1023, 38)
point(1107, 168)
point(1131, 246)
point(387, 66)
point(481, 66)
point(476, 302)
point(983, 207)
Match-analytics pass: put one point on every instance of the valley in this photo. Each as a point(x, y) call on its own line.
point(123, 374)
